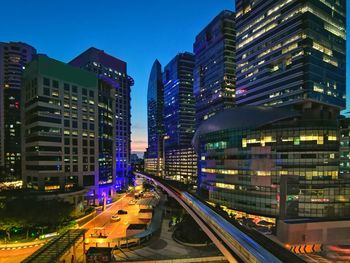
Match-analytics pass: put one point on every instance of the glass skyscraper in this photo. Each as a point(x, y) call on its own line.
point(14, 56)
point(290, 51)
point(113, 71)
point(155, 96)
point(214, 70)
point(179, 119)
point(288, 163)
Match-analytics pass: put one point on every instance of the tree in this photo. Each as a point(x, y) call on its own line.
point(9, 222)
point(29, 213)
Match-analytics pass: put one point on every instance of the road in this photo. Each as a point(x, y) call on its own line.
point(113, 229)
point(102, 224)
point(16, 255)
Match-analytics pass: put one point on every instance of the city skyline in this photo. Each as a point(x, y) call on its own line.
point(185, 24)
point(51, 37)
point(202, 131)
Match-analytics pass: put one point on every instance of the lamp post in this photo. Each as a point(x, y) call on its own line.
point(165, 137)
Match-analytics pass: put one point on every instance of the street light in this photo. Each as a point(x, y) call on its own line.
point(165, 137)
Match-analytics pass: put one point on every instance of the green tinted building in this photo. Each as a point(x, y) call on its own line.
point(68, 131)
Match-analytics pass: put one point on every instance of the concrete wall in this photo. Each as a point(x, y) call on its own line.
point(315, 232)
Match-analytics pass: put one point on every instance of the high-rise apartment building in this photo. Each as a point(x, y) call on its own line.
point(290, 51)
point(113, 71)
point(179, 119)
point(214, 71)
point(13, 58)
point(68, 127)
point(155, 96)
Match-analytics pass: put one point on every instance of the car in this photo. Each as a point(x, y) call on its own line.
point(115, 218)
point(122, 212)
point(132, 202)
point(263, 230)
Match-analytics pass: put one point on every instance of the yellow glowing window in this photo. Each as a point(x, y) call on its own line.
point(335, 31)
point(330, 60)
point(244, 142)
point(289, 48)
point(263, 173)
point(274, 68)
point(226, 186)
point(267, 139)
point(219, 171)
point(51, 187)
point(332, 138)
point(317, 138)
point(322, 49)
point(317, 88)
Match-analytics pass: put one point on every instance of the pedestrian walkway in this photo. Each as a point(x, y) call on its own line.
point(218, 259)
point(163, 247)
point(55, 248)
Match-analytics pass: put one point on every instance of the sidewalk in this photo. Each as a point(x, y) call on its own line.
point(20, 245)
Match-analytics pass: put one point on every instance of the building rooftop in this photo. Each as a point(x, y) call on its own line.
point(97, 55)
point(47, 66)
point(245, 117)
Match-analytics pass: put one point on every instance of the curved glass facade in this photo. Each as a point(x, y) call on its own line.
point(287, 169)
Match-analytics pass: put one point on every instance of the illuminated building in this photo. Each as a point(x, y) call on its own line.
point(277, 163)
point(344, 151)
point(214, 70)
point(290, 51)
point(68, 127)
point(179, 119)
point(137, 163)
point(113, 71)
point(13, 58)
point(155, 97)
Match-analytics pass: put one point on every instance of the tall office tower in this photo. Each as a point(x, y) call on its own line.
point(13, 58)
point(214, 71)
point(290, 51)
point(179, 119)
point(344, 149)
point(155, 96)
point(114, 71)
point(68, 127)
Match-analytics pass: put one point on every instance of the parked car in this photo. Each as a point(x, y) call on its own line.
point(122, 212)
point(132, 202)
point(263, 230)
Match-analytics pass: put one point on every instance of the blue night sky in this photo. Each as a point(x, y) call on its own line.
point(136, 31)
